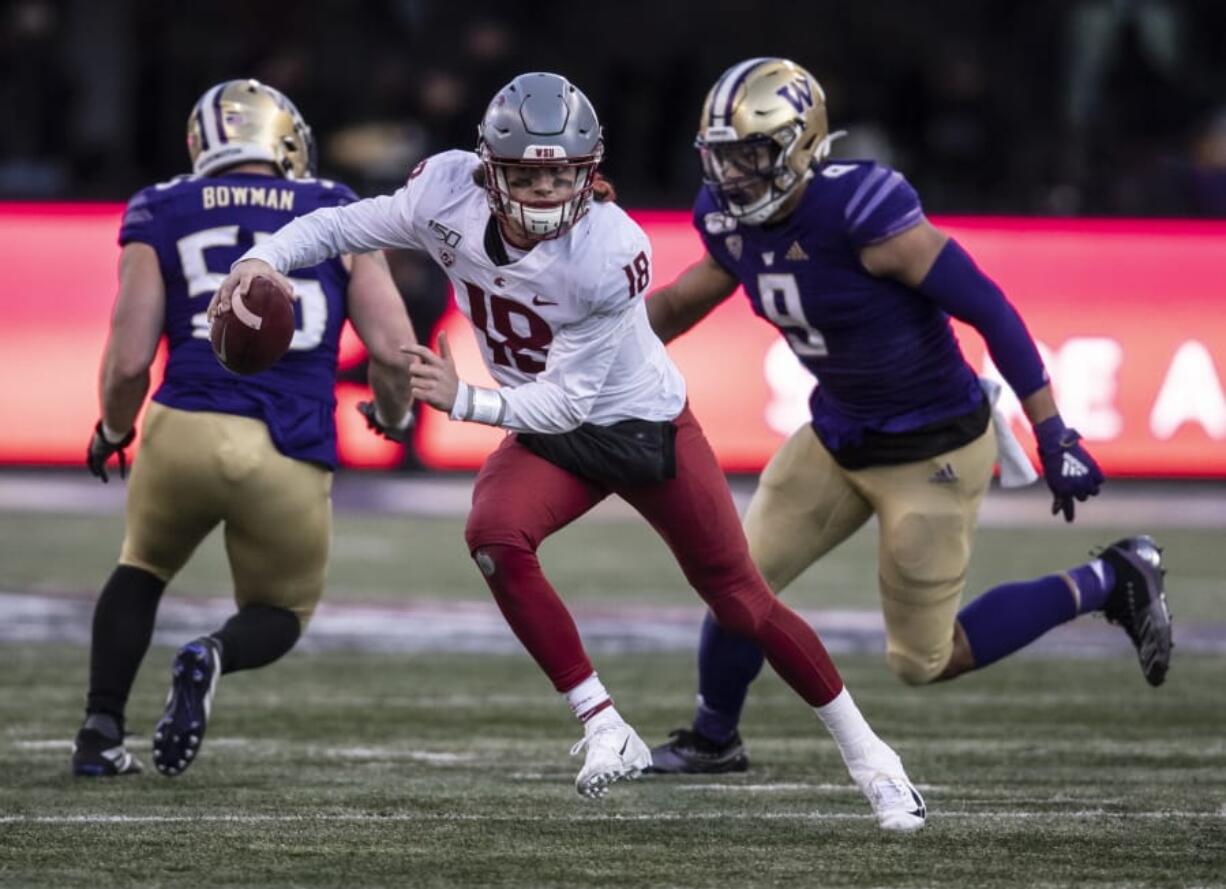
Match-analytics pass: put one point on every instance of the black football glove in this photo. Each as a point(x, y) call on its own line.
point(100, 451)
point(400, 434)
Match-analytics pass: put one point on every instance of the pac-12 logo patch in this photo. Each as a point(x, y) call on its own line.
point(735, 245)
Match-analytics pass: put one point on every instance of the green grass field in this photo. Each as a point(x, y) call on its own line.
point(366, 769)
point(361, 769)
point(388, 558)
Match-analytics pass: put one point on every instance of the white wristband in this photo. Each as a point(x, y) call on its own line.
point(404, 423)
point(111, 435)
point(477, 405)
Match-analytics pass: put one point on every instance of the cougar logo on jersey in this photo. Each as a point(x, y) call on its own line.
point(718, 223)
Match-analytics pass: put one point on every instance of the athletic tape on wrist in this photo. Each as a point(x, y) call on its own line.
point(474, 404)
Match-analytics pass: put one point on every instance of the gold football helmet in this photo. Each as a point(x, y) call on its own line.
point(237, 121)
point(763, 125)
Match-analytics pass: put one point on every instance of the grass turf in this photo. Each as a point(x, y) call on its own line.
point(393, 557)
point(362, 769)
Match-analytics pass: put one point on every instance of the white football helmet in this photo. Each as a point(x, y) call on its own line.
point(237, 121)
point(763, 126)
point(540, 120)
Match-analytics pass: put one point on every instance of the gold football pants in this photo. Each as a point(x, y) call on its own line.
point(806, 504)
point(196, 469)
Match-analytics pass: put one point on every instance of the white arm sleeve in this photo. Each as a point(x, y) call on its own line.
point(380, 223)
point(562, 396)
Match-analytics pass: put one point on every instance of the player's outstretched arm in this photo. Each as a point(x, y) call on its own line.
point(677, 307)
point(925, 258)
point(136, 327)
point(382, 323)
point(378, 223)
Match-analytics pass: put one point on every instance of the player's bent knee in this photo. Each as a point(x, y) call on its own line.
point(505, 566)
point(742, 614)
point(484, 530)
point(917, 671)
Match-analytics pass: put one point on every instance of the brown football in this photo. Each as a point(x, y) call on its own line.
point(256, 331)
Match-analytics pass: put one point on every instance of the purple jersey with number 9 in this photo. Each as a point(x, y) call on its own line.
point(199, 226)
point(884, 355)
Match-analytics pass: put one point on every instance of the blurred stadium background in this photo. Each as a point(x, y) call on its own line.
point(1078, 147)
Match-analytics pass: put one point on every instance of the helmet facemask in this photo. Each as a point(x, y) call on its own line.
point(762, 128)
point(752, 177)
point(539, 220)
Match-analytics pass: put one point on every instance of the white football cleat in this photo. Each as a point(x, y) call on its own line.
point(895, 801)
point(614, 751)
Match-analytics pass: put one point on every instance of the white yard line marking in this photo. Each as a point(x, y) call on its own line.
point(356, 817)
point(785, 787)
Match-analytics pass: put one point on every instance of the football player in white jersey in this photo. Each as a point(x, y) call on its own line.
point(553, 283)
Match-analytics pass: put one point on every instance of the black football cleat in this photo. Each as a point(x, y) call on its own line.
point(688, 753)
point(1137, 602)
point(180, 731)
point(96, 754)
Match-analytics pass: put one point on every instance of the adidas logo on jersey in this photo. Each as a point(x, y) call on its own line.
point(944, 476)
point(1072, 467)
point(796, 253)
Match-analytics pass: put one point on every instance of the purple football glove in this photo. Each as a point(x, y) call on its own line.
point(1070, 471)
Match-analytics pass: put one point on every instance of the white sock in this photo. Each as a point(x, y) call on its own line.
point(606, 716)
point(588, 698)
point(848, 727)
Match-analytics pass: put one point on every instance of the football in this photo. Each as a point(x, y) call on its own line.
point(256, 331)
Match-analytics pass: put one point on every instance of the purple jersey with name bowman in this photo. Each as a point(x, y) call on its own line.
point(884, 354)
point(199, 226)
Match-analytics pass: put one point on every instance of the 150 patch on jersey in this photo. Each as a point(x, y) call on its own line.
point(448, 236)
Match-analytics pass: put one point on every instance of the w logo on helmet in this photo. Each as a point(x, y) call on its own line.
point(798, 93)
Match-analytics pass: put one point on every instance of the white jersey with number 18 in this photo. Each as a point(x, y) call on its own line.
point(562, 327)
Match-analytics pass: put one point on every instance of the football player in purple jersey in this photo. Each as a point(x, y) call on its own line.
point(252, 453)
point(840, 258)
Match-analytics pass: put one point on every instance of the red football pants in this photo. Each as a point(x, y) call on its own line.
point(519, 499)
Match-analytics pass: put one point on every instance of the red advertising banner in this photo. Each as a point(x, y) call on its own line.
point(1130, 317)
